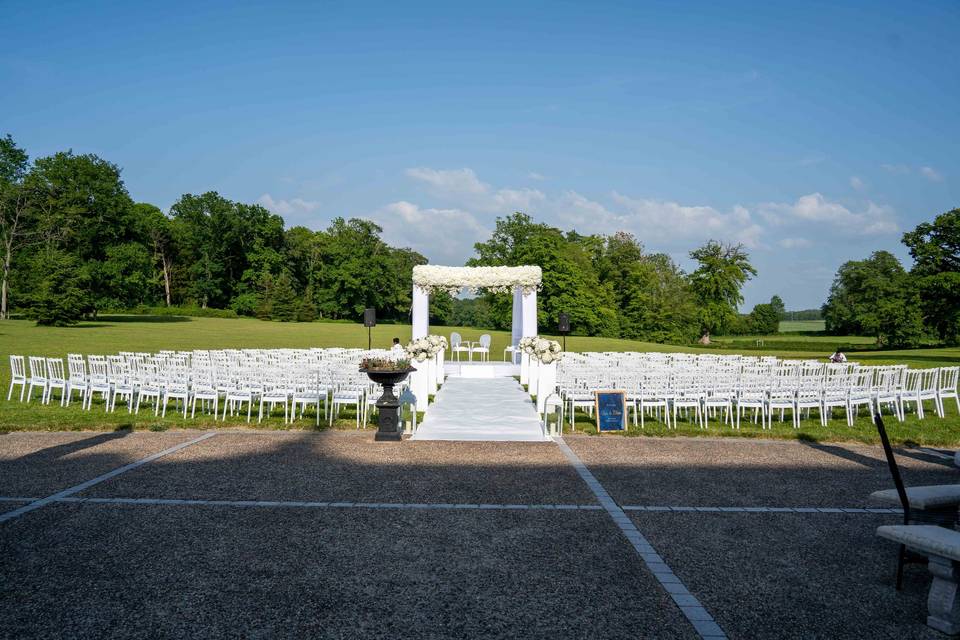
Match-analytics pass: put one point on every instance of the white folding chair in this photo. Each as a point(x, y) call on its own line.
point(38, 377)
point(18, 376)
point(56, 380)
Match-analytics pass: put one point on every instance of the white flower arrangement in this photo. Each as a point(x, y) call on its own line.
point(426, 347)
point(527, 345)
point(439, 343)
point(432, 278)
point(540, 349)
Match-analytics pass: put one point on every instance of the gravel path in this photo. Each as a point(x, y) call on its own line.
point(711, 472)
point(81, 569)
point(39, 464)
point(791, 575)
point(205, 572)
point(338, 466)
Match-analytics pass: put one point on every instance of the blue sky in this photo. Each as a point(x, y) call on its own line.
point(813, 133)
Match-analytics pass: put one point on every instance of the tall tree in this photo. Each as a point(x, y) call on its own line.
point(15, 209)
point(935, 248)
point(570, 281)
point(156, 229)
point(85, 210)
point(777, 303)
point(723, 270)
point(874, 297)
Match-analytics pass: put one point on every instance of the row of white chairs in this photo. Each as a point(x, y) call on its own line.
point(702, 386)
point(221, 382)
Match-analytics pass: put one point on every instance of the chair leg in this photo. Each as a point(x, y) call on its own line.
point(901, 560)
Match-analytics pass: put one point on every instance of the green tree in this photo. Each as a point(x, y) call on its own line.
point(306, 309)
point(874, 297)
point(60, 296)
point(723, 270)
point(654, 300)
point(156, 229)
point(570, 281)
point(777, 303)
point(126, 274)
point(935, 248)
point(764, 320)
point(85, 210)
point(16, 221)
point(264, 303)
point(284, 299)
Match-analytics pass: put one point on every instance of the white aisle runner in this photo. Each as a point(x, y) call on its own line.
point(481, 409)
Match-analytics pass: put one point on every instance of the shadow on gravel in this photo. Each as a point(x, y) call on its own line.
point(846, 454)
point(60, 450)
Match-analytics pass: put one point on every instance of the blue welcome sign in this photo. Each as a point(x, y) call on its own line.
point(611, 410)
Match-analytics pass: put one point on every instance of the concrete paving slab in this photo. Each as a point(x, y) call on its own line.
point(350, 467)
point(38, 464)
point(718, 473)
point(781, 575)
point(84, 570)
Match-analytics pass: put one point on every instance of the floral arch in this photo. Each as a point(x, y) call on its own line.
point(523, 281)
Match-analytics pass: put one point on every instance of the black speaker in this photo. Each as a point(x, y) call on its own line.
point(564, 325)
point(369, 317)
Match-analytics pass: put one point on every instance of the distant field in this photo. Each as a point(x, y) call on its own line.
point(111, 334)
point(787, 326)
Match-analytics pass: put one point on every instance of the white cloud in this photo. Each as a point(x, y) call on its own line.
point(857, 183)
point(445, 236)
point(463, 187)
point(287, 207)
point(533, 175)
point(794, 243)
point(931, 174)
point(814, 208)
point(812, 159)
point(896, 168)
point(659, 222)
point(449, 181)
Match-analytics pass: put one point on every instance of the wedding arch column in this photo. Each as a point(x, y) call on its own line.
point(529, 311)
point(517, 326)
point(420, 308)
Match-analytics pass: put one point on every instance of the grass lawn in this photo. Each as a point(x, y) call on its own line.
point(110, 334)
point(802, 325)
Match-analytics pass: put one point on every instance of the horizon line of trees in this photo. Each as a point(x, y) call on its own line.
point(878, 297)
point(74, 243)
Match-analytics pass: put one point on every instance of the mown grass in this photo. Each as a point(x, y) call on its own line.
point(801, 325)
point(111, 334)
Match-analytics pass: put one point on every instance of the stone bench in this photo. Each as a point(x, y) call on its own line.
point(942, 548)
point(937, 503)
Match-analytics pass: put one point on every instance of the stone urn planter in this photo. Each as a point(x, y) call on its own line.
point(388, 406)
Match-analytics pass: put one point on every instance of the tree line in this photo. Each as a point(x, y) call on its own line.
point(878, 297)
point(73, 243)
point(610, 286)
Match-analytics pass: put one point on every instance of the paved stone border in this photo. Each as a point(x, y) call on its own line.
point(696, 614)
point(762, 509)
point(301, 504)
point(42, 502)
point(296, 504)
